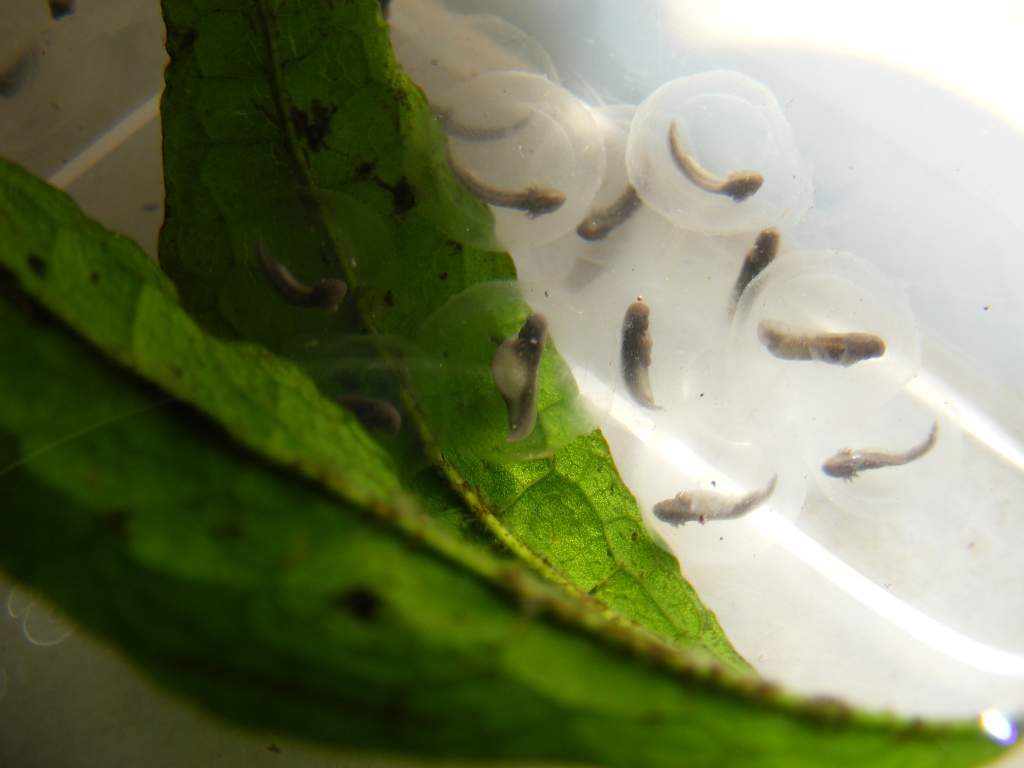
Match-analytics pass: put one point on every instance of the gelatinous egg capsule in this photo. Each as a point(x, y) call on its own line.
point(819, 294)
point(539, 179)
point(670, 461)
point(616, 201)
point(892, 436)
point(684, 277)
point(614, 231)
point(439, 49)
point(714, 153)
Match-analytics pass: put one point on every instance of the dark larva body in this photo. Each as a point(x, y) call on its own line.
point(635, 356)
point(702, 506)
point(845, 349)
point(326, 293)
point(534, 200)
point(601, 222)
point(847, 463)
point(765, 249)
point(739, 185)
point(514, 369)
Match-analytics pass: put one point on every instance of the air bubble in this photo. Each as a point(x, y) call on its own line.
point(42, 626)
point(559, 148)
point(459, 47)
point(17, 603)
point(726, 122)
point(818, 292)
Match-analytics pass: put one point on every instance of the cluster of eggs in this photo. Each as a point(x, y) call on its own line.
point(624, 218)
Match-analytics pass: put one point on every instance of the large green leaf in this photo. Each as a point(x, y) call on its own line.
point(291, 124)
point(241, 584)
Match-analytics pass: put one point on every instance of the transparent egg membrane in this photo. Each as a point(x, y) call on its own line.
point(737, 412)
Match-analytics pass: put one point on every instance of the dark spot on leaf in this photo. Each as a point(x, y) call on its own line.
point(634, 536)
point(181, 38)
point(176, 371)
point(37, 265)
point(361, 602)
point(274, 748)
point(403, 196)
point(828, 710)
point(456, 247)
point(230, 530)
point(116, 522)
point(364, 170)
point(766, 690)
point(94, 277)
point(401, 97)
point(312, 126)
point(10, 290)
point(443, 276)
point(389, 299)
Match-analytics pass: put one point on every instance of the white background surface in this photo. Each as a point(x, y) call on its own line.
point(916, 147)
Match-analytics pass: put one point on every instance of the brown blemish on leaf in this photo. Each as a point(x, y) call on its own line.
point(361, 602)
point(37, 265)
point(313, 125)
point(229, 530)
point(116, 522)
point(364, 171)
point(405, 198)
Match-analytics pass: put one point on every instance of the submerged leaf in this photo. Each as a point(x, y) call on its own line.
point(291, 124)
point(205, 506)
point(251, 590)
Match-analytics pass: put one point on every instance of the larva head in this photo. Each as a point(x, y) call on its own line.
point(842, 465)
point(865, 346)
point(328, 293)
point(675, 511)
point(541, 200)
point(535, 329)
point(850, 348)
point(766, 247)
point(638, 315)
point(741, 185)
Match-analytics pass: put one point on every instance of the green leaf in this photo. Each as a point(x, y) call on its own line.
point(291, 124)
point(250, 589)
point(202, 504)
